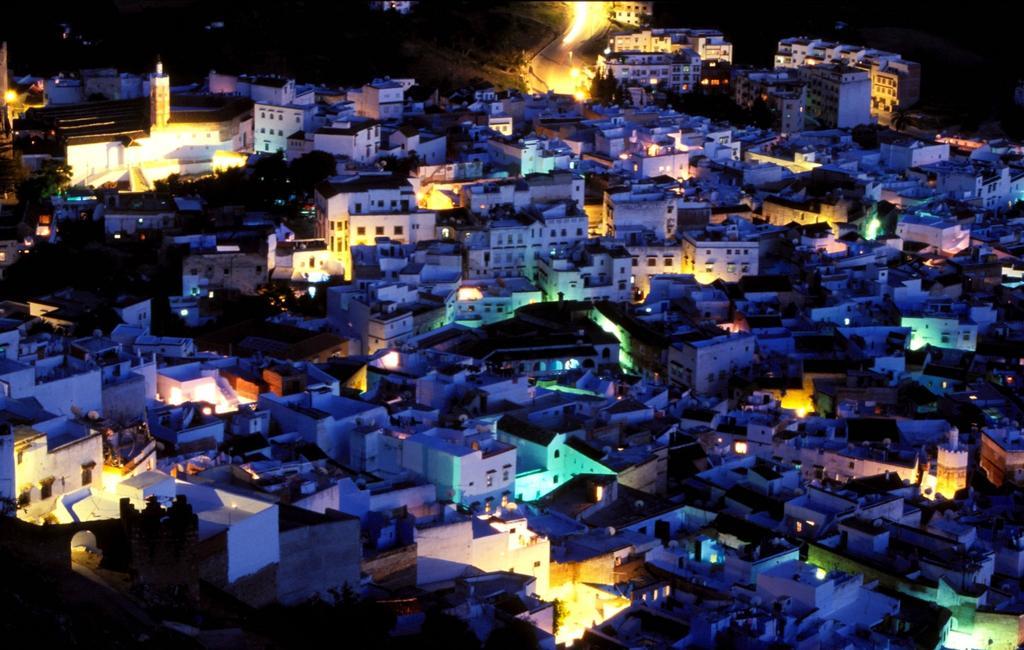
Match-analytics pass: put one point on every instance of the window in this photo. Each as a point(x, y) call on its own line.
point(380, 230)
point(536, 564)
point(46, 488)
point(358, 208)
point(558, 453)
point(361, 230)
point(87, 473)
point(652, 261)
point(399, 230)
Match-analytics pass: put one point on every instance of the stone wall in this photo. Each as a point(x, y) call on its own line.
point(318, 558)
point(392, 568)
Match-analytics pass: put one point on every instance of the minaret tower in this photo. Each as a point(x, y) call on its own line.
point(951, 473)
point(159, 97)
point(8, 164)
point(4, 87)
point(3, 72)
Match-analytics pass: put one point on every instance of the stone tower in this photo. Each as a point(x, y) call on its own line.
point(9, 165)
point(3, 73)
point(159, 97)
point(5, 121)
point(951, 466)
point(162, 553)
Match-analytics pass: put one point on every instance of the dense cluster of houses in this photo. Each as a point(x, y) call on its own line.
point(697, 383)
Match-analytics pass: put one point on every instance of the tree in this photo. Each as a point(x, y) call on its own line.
point(402, 167)
point(12, 174)
point(900, 119)
point(866, 136)
point(441, 630)
point(560, 614)
point(305, 172)
point(761, 114)
point(52, 177)
point(514, 635)
point(269, 181)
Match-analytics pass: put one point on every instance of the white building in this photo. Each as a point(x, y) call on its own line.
point(709, 44)
point(837, 95)
point(678, 72)
point(983, 184)
point(586, 272)
point(355, 210)
point(642, 206)
point(447, 546)
point(275, 120)
point(468, 467)
point(944, 233)
point(905, 153)
point(782, 90)
point(46, 459)
point(479, 302)
point(509, 247)
point(430, 148)
point(355, 140)
point(704, 363)
point(719, 252)
point(143, 142)
point(381, 99)
point(895, 82)
point(631, 12)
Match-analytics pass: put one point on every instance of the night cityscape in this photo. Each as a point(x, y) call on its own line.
point(511, 325)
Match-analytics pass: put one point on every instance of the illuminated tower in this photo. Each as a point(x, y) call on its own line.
point(8, 164)
point(3, 73)
point(159, 97)
point(951, 466)
point(4, 88)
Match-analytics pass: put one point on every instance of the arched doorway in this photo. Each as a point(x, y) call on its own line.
point(85, 550)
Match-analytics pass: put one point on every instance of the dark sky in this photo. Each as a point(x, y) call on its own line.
point(970, 60)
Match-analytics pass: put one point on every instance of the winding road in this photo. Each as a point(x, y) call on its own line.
point(555, 66)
